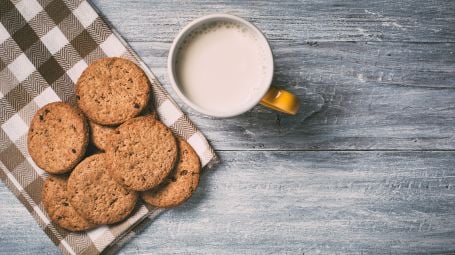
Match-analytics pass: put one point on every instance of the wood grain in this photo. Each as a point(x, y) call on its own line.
point(320, 20)
point(361, 96)
point(293, 203)
point(367, 166)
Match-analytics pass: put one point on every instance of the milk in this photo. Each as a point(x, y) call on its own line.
point(220, 66)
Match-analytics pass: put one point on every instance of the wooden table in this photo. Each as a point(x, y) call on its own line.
point(367, 166)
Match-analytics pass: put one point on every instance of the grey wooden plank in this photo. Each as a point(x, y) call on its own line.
point(294, 203)
point(320, 20)
point(19, 233)
point(361, 96)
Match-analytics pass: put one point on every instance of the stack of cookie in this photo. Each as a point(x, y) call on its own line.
point(136, 155)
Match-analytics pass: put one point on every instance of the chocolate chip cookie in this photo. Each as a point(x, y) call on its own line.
point(112, 90)
point(100, 135)
point(181, 183)
point(95, 195)
point(56, 203)
point(58, 137)
point(144, 152)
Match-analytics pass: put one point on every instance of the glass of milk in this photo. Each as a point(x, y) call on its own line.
point(222, 66)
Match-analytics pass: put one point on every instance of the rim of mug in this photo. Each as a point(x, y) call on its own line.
point(197, 23)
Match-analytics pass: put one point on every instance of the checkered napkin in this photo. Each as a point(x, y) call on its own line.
point(44, 47)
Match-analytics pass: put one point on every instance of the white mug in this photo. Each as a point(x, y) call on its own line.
point(262, 92)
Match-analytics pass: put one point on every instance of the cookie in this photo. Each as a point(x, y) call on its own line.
point(143, 152)
point(58, 137)
point(181, 183)
point(100, 135)
point(112, 90)
point(56, 203)
point(95, 195)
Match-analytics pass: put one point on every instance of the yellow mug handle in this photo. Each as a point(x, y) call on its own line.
point(281, 100)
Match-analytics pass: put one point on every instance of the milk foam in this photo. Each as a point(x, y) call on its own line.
point(221, 65)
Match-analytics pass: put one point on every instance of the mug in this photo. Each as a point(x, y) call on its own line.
point(265, 94)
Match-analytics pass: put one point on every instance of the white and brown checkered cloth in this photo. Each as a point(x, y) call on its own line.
point(44, 47)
